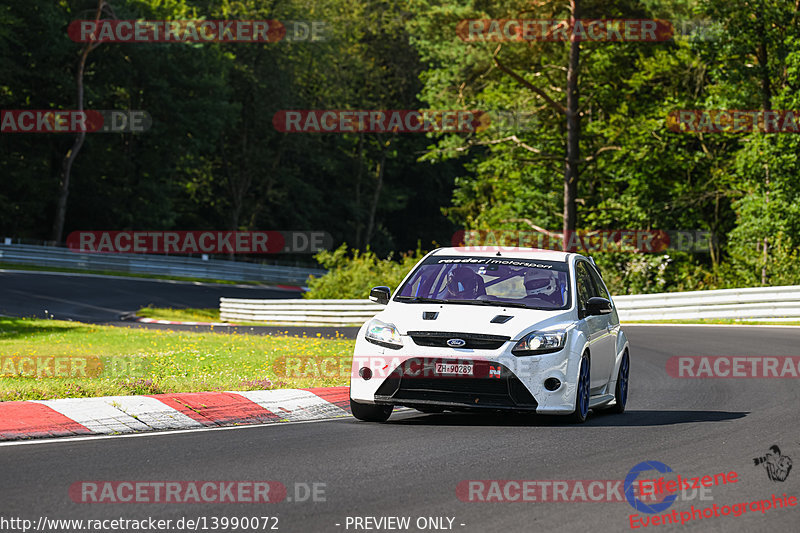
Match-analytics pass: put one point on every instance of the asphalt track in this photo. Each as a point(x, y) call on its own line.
point(111, 299)
point(93, 298)
point(412, 465)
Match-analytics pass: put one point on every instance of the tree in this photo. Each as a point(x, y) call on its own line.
point(103, 8)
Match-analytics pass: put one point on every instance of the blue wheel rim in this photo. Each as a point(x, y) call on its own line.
point(624, 370)
point(583, 388)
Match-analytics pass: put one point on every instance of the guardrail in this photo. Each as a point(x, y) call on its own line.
point(299, 312)
point(758, 304)
point(187, 267)
point(755, 304)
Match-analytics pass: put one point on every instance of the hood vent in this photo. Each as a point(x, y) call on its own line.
point(430, 315)
point(501, 319)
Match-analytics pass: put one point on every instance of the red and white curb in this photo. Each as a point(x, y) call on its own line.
point(180, 323)
point(184, 410)
point(293, 288)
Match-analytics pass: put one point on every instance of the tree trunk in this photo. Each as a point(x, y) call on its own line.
point(374, 207)
point(571, 171)
point(72, 153)
point(766, 239)
point(766, 105)
point(357, 210)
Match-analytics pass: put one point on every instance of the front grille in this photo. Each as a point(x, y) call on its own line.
point(491, 386)
point(495, 387)
point(474, 341)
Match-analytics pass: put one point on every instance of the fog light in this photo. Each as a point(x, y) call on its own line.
point(365, 373)
point(552, 384)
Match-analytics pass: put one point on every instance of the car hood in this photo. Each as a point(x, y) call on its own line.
point(463, 318)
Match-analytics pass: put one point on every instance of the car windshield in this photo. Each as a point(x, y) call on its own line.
point(488, 281)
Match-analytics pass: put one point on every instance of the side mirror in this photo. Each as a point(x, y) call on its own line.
point(381, 295)
point(598, 306)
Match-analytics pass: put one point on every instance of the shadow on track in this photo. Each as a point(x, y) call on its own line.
point(629, 419)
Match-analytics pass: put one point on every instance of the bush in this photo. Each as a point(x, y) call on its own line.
point(629, 273)
point(352, 274)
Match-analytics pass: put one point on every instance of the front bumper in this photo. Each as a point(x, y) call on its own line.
point(520, 386)
point(492, 386)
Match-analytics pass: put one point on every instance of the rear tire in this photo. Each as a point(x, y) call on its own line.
point(582, 393)
point(621, 392)
point(370, 412)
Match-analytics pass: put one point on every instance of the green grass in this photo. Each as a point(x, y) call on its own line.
point(103, 360)
point(15, 266)
point(181, 315)
point(202, 315)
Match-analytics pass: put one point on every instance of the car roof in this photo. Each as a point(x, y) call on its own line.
point(492, 251)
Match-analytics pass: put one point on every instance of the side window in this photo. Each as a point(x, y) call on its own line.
point(586, 287)
point(599, 284)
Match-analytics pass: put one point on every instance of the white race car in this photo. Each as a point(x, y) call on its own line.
point(510, 330)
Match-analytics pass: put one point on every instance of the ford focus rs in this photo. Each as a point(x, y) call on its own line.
point(517, 330)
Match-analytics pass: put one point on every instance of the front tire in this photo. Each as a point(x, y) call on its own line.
point(582, 393)
point(369, 412)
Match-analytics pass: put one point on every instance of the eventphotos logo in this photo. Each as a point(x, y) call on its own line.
point(658, 492)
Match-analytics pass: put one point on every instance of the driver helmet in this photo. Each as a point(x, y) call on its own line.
point(463, 282)
point(538, 282)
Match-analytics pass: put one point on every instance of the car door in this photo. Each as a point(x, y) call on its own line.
point(613, 317)
point(600, 331)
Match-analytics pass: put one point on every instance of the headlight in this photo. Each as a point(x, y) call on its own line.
point(383, 334)
point(540, 342)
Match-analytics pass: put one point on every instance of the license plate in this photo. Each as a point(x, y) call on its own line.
point(455, 369)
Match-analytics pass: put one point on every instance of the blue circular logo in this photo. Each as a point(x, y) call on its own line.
point(456, 343)
point(638, 504)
